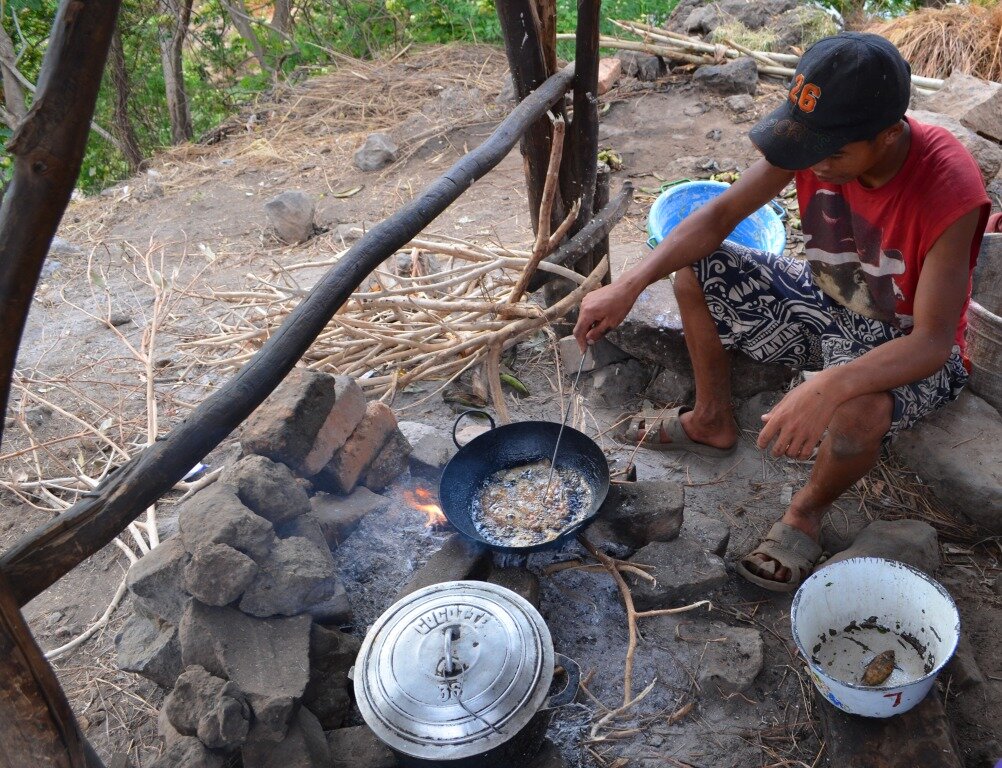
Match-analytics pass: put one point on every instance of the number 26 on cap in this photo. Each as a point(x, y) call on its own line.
point(804, 96)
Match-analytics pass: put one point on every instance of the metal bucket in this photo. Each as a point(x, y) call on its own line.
point(848, 612)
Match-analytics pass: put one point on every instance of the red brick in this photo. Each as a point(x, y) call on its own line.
point(343, 471)
point(608, 73)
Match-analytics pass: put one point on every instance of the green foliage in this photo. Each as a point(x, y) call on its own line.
point(221, 74)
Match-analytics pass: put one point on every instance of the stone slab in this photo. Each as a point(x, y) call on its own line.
point(908, 541)
point(267, 488)
point(343, 471)
point(304, 746)
point(731, 658)
point(976, 103)
point(957, 451)
point(294, 576)
point(987, 154)
point(711, 533)
point(358, 747)
point(156, 580)
point(645, 511)
point(150, 649)
point(389, 464)
point(218, 574)
point(683, 570)
point(457, 558)
point(215, 515)
point(340, 515)
point(332, 654)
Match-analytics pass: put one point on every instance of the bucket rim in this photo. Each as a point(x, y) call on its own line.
point(940, 663)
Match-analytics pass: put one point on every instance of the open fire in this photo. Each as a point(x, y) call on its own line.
point(424, 500)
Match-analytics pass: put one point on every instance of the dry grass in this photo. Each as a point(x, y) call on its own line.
point(955, 38)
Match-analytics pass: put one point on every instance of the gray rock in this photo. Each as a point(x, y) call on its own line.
point(358, 747)
point(340, 515)
point(209, 707)
point(963, 670)
point(218, 574)
point(334, 610)
point(652, 332)
point(388, 464)
point(618, 384)
point(507, 93)
point(521, 581)
point(712, 534)
point(739, 103)
point(796, 28)
point(304, 746)
point(755, 14)
point(958, 451)
point(291, 216)
point(645, 511)
point(457, 559)
point(730, 665)
point(305, 527)
point(305, 420)
point(63, 249)
point(600, 354)
point(267, 488)
point(976, 103)
point(189, 752)
point(683, 571)
point(155, 581)
point(166, 731)
point(644, 67)
point(751, 411)
point(332, 654)
point(150, 649)
point(49, 268)
point(455, 101)
point(295, 575)
point(267, 659)
point(987, 154)
point(377, 152)
point(908, 541)
point(701, 21)
point(431, 449)
point(215, 515)
point(737, 76)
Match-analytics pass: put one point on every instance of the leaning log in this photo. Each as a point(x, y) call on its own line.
point(37, 727)
point(49, 552)
point(922, 736)
point(48, 149)
point(527, 62)
point(585, 242)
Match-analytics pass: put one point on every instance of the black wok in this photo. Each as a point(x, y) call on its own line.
point(510, 446)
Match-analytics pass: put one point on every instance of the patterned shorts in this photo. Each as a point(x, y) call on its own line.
point(768, 307)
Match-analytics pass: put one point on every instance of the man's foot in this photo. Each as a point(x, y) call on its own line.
point(678, 430)
point(785, 557)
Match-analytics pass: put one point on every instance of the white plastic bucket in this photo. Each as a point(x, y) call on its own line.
point(850, 611)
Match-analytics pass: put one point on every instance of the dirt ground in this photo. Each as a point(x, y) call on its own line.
point(152, 251)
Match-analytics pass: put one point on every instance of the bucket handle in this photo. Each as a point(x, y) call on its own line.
point(459, 418)
point(779, 209)
point(570, 691)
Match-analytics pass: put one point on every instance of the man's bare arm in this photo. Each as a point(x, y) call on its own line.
point(798, 421)
point(693, 239)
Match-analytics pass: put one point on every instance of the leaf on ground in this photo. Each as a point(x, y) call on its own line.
point(349, 192)
point(511, 381)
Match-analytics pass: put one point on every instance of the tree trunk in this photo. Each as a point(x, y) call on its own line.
point(245, 26)
point(281, 19)
point(13, 93)
point(527, 62)
point(123, 124)
point(51, 551)
point(37, 727)
point(171, 46)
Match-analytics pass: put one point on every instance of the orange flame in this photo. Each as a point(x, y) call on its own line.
point(424, 501)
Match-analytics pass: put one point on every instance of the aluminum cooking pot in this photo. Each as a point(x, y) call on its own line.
point(509, 446)
point(458, 675)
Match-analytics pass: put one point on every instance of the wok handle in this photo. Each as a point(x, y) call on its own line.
point(459, 418)
point(570, 691)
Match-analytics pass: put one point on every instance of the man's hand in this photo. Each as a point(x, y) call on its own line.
point(602, 310)
point(796, 424)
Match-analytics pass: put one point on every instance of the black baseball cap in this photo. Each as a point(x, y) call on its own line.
point(846, 88)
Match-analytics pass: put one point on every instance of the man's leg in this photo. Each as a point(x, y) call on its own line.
point(711, 421)
point(847, 452)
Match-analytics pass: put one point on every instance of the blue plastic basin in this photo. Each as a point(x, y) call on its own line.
point(763, 230)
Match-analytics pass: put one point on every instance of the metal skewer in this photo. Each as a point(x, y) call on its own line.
point(567, 411)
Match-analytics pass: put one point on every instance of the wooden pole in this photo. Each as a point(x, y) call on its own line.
point(584, 128)
point(49, 552)
point(37, 726)
point(527, 62)
point(48, 149)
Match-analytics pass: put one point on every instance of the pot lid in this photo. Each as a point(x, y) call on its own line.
point(453, 670)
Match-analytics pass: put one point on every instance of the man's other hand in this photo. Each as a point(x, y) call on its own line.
point(602, 310)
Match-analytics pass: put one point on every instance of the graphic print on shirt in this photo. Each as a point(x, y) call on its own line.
point(847, 260)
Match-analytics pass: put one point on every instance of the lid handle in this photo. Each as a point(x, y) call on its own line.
point(570, 691)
